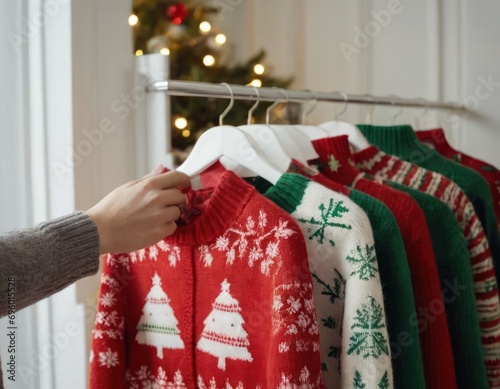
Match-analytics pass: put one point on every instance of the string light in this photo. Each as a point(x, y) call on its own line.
point(256, 83)
point(259, 69)
point(165, 51)
point(220, 39)
point(181, 123)
point(208, 60)
point(139, 52)
point(133, 20)
point(186, 133)
point(205, 27)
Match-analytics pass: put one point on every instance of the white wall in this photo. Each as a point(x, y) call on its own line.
point(436, 49)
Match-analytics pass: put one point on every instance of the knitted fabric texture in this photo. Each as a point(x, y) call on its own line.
point(455, 274)
point(434, 338)
point(346, 283)
point(402, 141)
point(47, 258)
point(380, 164)
point(225, 302)
point(436, 139)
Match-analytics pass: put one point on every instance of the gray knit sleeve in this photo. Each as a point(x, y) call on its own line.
point(45, 259)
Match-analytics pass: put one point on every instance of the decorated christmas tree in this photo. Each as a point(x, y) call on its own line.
point(188, 32)
point(224, 335)
point(158, 325)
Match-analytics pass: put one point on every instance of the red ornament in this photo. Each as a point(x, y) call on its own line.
point(177, 13)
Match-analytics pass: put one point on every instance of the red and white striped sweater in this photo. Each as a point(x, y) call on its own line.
point(378, 163)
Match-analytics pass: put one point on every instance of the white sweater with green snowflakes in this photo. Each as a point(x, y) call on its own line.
point(355, 350)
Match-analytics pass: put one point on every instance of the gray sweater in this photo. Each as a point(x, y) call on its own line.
point(40, 261)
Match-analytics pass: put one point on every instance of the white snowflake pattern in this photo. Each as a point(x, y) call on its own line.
point(262, 219)
point(153, 253)
point(253, 238)
point(294, 316)
point(97, 334)
point(145, 379)
point(108, 358)
point(294, 305)
point(221, 243)
point(124, 260)
point(100, 317)
point(284, 347)
point(213, 384)
point(110, 281)
point(205, 255)
point(133, 257)
point(175, 256)
point(107, 299)
point(277, 304)
point(141, 254)
point(303, 320)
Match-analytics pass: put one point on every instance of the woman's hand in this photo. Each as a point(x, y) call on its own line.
point(140, 213)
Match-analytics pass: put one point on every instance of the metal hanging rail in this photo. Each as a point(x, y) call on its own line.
point(203, 89)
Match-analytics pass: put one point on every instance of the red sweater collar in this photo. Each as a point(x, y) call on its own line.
point(211, 211)
point(436, 139)
point(335, 155)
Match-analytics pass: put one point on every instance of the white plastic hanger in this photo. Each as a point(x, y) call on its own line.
point(312, 132)
point(293, 140)
point(369, 113)
point(336, 128)
point(228, 141)
point(266, 139)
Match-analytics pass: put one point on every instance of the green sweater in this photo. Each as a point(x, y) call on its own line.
point(396, 283)
point(402, 142)
point(455, 272)
point(398, 293)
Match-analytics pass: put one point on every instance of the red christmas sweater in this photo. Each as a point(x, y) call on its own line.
point(335, 162)
point(436, 139)
point(225, 302)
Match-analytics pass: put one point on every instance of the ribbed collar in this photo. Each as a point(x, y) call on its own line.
point(437, 139)
point(211, 211)
point(398, 140)
point(366, 154)
point(288, 191)
point(335, 156)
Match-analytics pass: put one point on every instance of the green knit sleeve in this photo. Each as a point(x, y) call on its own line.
point(398, 293)
point(455, 273)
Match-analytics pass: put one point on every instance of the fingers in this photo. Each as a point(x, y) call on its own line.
point(172, 180)
point(170, 228)
point(171, 214)
point(159, 169)
point(173, 197)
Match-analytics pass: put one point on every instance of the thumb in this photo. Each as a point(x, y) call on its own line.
point(159, 169)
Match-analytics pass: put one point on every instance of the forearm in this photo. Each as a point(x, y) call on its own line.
point(47, 258)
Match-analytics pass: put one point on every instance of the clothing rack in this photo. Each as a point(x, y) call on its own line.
point(153, 142)
point(203, 89)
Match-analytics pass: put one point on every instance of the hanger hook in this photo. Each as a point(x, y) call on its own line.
point(393, 102)
point(419, 118)
point(226, 111)
point(346, 100)
point(251, 110)
point(313, 106)
point(369, 113)
point(273, 105)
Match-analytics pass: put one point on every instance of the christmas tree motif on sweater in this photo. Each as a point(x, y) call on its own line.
point(158, 325)
point(224, 335)
point(384, 382)
point(331, 217)
point(367, 338)
point(365, 262)
point(358, 381)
